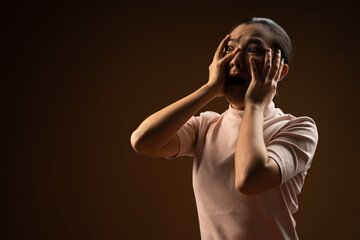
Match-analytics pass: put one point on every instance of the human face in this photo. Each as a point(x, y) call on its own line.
point(252, 40)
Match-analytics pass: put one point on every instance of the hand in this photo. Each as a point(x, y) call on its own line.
point(262, 88)
point(217, 67)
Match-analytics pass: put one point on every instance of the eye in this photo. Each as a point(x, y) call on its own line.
point(229, 49)
point(252, 50)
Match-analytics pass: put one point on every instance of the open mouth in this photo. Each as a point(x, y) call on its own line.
point(235, 80)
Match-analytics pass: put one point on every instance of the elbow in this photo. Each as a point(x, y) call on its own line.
point(245, 187)
point(251, 180)
point(250, 183)
point(142, 145)
point(258, 181)
point(136, 142)
point(145, 145)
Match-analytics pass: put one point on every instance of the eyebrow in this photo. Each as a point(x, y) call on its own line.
point(251, 41)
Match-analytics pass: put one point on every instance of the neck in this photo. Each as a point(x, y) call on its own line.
point(238, 107)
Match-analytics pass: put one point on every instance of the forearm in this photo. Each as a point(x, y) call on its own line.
point(157, 130)
point(250, 153)
point(156, 135)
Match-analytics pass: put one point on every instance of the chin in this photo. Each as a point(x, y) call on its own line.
point(235, 94)
point(237, 102)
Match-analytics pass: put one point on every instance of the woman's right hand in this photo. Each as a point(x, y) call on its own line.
point(217, 67)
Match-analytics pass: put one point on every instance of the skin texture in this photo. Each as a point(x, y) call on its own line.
point(245, 53)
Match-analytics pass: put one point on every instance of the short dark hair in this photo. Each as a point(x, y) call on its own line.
point(281, 38)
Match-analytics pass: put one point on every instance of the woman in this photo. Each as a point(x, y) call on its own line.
point(250, 162)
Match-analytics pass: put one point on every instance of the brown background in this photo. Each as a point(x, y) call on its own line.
point(78, 78)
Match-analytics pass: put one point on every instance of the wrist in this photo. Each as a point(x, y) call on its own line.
point(252, 106)
point(213, 89)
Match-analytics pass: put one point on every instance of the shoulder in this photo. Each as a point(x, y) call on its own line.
point(287, 126)
point(202, 120)
point(303, 124)
point(290, 122)
point(207, 117)
point(297, 131)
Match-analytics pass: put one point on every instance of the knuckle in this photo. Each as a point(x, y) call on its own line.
point(274, 85)
point(276, 67)
point(218, 63)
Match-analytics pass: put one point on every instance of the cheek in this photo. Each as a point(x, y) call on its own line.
point(227, 67)
point(259, 62)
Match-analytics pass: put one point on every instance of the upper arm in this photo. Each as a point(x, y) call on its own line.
point(290, 152)
point(293, 147)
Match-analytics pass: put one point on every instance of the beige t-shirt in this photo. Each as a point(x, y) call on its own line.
point(224, 213)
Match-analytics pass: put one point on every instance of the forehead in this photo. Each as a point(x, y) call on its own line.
point(252, 31)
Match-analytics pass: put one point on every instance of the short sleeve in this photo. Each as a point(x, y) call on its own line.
point(293, 147)
point(187, 135)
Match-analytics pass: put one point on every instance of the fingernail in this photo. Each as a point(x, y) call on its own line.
point(278, 51)
point(269, 50)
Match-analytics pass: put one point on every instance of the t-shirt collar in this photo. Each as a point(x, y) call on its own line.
point(237, 114)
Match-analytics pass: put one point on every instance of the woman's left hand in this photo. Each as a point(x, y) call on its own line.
point(262, 88)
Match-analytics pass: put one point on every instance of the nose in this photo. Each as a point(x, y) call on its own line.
point(237, 61)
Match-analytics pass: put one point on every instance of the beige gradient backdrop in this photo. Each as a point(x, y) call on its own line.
point(78, 78)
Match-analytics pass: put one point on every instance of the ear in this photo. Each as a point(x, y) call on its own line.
point(284, 72)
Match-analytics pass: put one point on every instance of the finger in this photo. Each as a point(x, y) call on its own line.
point(220, 50)
point(276, 65)
point(279, 72)
point(253, 69)
point(229, 56)
point(267, 64)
